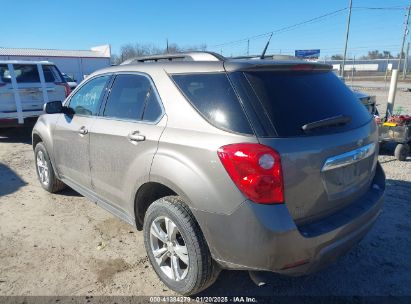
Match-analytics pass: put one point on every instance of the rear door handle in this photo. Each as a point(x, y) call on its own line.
point(136, 136)
point(83, 131)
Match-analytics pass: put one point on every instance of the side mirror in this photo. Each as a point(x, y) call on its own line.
point(53, 107)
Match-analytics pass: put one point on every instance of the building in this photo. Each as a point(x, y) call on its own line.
point(76, 64)
point(369, 65)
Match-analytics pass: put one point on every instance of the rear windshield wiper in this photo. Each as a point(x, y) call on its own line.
point(327, 122)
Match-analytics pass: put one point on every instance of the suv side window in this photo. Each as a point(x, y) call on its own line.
point(213, 97)
point(87, 99)
point(51, 74)
point(4, 73)
point(153, 109)
point(130, 97)
point(26, 73)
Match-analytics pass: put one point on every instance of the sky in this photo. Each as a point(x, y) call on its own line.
point(83, 24)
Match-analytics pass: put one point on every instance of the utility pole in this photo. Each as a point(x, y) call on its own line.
point(346, 38)
point(248, 47)
point(407, 18)
point(386, 71)
point(352, 71)
point(405, 67)
point(167, 45)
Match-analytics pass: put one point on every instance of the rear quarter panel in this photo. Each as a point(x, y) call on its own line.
point(187, 160)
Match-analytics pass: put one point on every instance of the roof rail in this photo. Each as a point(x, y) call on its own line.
point(268, 57)
point(184, 56)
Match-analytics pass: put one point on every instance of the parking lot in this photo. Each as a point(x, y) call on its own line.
point(61, 244)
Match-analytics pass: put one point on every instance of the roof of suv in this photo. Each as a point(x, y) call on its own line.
point(25, 62)
point(228, 64)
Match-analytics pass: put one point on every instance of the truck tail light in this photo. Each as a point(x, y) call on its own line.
point(256, 171)
point(67, 89)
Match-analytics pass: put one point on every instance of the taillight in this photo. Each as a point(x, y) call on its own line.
point(302, 67)
point(67, 89)
point(256, 171)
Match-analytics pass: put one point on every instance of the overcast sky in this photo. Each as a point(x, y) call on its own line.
point(82, 24)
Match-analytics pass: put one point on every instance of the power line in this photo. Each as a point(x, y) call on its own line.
point(381, 8)
point(290, 27)
point(281, 29)
point(351, 48)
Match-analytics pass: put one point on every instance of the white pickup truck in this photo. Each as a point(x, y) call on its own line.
point(25, 86)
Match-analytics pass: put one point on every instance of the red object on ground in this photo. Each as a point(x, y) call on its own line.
point(400, 119)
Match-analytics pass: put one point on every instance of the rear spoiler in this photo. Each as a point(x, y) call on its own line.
point(276, 66)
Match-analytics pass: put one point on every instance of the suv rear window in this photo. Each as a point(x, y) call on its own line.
point(213, 97)
point(291, 99)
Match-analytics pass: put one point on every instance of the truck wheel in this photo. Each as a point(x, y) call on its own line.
point(176, 247)
point(401, 151)
point(45, 171)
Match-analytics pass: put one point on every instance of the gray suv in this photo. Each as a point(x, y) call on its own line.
point(255, 165)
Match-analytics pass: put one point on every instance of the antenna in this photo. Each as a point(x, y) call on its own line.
point(266, 46)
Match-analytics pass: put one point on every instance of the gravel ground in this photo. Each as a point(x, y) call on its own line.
point(61, 244)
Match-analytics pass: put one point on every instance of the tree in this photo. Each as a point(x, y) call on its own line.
point(114, 59)
point(337, 57)
point(375, 54)
point(398, 55)
point(128, 51)
point(387, 54)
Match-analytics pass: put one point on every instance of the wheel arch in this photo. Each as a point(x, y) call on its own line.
point(42, 133)
point(146, 194)
point(36, 138)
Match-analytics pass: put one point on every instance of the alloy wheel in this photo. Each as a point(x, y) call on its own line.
point(169, 248)
point(42, 168)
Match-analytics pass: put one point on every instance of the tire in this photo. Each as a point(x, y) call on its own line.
point(201, 271)
point(42, 160)
point(401, 151)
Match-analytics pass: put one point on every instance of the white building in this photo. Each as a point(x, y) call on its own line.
point(76, 64)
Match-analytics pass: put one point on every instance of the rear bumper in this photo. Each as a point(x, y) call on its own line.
point(265, 237)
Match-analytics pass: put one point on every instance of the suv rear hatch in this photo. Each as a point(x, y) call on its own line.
point(325, 136)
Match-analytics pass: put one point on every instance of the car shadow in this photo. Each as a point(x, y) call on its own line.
point(69, 192)
point(16, 135)
point(378, 266)
point(10, 181)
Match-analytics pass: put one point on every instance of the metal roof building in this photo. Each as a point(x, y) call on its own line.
point(75, 63)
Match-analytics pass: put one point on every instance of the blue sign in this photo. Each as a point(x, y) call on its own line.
point(308, 54)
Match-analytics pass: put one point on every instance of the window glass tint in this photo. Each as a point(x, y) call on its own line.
point(127, 97)
point(51, 74)
point(5, 73)
point(213, 96)
point(26, 73)
point(291, 99)
point(152, 110)
point(86, 100)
